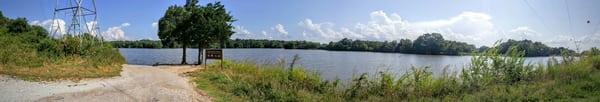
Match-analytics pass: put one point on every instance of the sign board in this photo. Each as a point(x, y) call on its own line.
point(214, 54)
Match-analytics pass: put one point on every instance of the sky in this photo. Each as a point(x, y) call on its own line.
point(557, 23)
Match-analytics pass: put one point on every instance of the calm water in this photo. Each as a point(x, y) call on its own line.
point(331, 64)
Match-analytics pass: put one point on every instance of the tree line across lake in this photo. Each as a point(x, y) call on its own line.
point(431, 44)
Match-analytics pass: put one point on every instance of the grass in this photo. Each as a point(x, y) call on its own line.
point(74, 68)
point(31, 55)
point(490, 77)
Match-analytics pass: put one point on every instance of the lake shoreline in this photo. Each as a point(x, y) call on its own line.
point(331, 64)
point(470, 54)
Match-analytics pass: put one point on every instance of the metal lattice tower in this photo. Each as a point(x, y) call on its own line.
point(79, 16)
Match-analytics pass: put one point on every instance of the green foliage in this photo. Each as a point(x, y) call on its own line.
point(18, 25)
point(492, 76)
point(429, 43)
point(531, 48)
point(29, 53)
point(194, 24)
point(592, 52)
point(252, 43)
point(425, 44)
point(144, 43)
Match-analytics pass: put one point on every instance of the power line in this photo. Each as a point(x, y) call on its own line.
point(569, 16)
point(537, 15)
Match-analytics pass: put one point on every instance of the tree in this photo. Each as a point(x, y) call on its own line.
point(429, 43)
point(405, 45)
point(18, 25)
point(3, 20)
point(532, 48)
point(193, 24)
point(173, 29)
point(210, 24)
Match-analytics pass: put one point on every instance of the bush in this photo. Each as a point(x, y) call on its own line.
point(29, 53)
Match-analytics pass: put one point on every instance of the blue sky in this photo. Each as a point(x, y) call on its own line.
point(480, 22)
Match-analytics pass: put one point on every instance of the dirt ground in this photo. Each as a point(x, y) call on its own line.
point(138, 83)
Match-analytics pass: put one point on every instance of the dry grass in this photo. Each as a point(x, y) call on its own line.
point(72, 69)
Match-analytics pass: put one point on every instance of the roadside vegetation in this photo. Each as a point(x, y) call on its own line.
point(29, 53)
point(491, 76)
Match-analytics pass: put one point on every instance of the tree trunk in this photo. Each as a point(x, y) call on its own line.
point(183, 57)
point(200, 59)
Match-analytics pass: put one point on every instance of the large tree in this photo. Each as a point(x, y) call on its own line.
point(212, 23)
point(172, 29)
point(429, 43)
point(194, 24)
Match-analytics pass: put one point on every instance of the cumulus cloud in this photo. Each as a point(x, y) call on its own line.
point(277, 32)
point(241, 32)
point(55, 27)
point(471, 27)
point(523, 32)
point(115, 33)
point(280, 29)
point(321, 32)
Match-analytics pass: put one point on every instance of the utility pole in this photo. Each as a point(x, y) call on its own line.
point(81, 14)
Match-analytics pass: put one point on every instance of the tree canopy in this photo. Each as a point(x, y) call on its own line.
point(433, 43)
point(532, 49)
point(195, 25)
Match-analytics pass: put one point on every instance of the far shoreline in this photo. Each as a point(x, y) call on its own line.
point(470, 54)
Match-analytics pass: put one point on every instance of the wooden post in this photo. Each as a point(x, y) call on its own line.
point(204, 58)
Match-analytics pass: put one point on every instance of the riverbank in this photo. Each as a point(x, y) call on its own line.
point(506, 79)
point(135, 83)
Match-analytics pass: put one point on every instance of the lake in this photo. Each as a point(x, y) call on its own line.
point(331, 64)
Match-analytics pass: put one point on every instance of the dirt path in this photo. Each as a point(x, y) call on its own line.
point(137, 83)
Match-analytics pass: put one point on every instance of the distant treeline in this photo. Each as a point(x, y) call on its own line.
point(145, 43)
point(532, 49)
point(430, 44)
point(262, 43)
point(433, 44)
point(236, 43)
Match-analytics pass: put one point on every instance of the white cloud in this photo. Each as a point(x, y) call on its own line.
point(523, 32)
point(56, 26)
point(241, 32)
point(115, 33)
point(280, 29)
point(266, 35)
point(125, 24)
point(276, 32)
point(112, 33)
point(471, 27)
point(321, 32)
point(91, 27)
point(154, 24)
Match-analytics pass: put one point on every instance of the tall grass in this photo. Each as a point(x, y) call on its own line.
point(33, 57)
point(490, 77)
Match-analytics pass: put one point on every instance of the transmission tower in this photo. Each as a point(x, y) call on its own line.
point(79, 16)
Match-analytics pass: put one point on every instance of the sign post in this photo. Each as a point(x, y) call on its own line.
point(213, 54)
